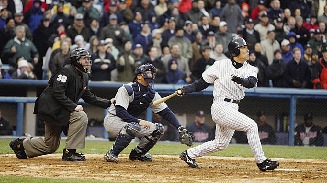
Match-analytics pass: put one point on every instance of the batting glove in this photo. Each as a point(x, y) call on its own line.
point(180, 92)
point(237, 79)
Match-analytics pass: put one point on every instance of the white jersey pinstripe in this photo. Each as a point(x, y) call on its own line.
point(226, 114)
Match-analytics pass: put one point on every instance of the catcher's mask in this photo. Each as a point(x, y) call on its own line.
point(75, 59)
point(146, 69)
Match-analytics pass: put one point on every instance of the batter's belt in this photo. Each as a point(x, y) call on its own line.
point(232, 101)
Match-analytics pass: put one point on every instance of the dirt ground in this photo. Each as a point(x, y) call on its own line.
point(164, 169)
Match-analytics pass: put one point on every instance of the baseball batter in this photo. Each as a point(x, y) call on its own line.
point(122, 120)
point(230, 78)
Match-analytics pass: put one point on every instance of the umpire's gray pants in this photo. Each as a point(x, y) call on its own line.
point(37, 146)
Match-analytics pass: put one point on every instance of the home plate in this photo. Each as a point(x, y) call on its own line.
point(288, 169)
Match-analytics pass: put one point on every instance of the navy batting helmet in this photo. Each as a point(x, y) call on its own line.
point(235, 45)
point(143, 68)
point(77, 54)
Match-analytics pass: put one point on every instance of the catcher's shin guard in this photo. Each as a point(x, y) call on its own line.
point(122, 141)
point(134, 155)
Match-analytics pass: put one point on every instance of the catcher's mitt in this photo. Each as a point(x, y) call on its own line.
point(185, 137)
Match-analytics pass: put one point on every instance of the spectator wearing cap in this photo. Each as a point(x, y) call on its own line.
point(202, 63)
point(58, 15)
point(188, 31)
point(319, 74)
point(40, 36)
point(88, 11)
point(218, 52)
point(211, 40)
point(194, 15)
point(302, 34)
point(276, 70)
point(232, 15)
point(19, 20)
point(19, 47)
point(308, 55)
point(169, 32)
point(34, 16)
point(223, 36)
point(23, 71)
point(260, 7)
point(174, 75)
point(266, 132)
point(4, 14)
point(217, 9)
point(113, 31)
point(317, 40)
point(269, 45)
point(154, 59)
point(80, 42)
point(139, 55)
point(263, 26)
point(184, 43)
point(135, 25)
point(263, 77)
point(59, 58)
point(287, 54)
point(157, 41)
point(125, 12)
point(199, 128)
point(275, 11)
point(279, 30)
point(204, 27)
point(160, 8)
point(293, 42)
point(112, 9)
point(103, 63)
point(250, 35)
point(297, 72)
point(145, 7)
point(79, 28)
point(7, 33)
point(145, 37)
point(312, 24)
point(111, 48)
point(307, 133)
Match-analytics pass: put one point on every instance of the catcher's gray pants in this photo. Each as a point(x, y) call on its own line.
point(37, 146)
point(114, 124)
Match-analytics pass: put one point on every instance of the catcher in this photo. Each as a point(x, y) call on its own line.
point(122, 120)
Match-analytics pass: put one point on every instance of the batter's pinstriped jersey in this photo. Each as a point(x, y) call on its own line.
point(220, 74)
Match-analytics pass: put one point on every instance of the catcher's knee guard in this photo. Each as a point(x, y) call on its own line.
point(147, 142)
point(124, 137)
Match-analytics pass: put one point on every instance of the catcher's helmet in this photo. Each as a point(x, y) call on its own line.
point(77, 54)
point(234, 46)
point(142, 69)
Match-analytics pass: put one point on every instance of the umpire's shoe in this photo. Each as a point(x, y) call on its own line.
point(134, 155)
point(17, 146)
point(68, 155)
point(268, 165)
point(111, 157)
point(191, 162)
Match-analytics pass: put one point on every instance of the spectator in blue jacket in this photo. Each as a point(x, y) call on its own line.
point(174, 75)
point(286, 51)
point(293, 42)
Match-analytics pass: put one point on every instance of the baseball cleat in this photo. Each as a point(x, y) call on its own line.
point(268, 165)
point(138, 156)
point(72, 156)
point(17, 146)
point(110, 157)
point(191, 162)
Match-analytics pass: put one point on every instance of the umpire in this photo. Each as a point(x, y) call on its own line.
point(58, 107)
point(122, 120)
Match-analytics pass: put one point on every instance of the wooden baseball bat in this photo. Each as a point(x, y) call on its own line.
point(164, 99)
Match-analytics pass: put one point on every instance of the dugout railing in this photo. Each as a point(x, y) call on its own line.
point(313, 98)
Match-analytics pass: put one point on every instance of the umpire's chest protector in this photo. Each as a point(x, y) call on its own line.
point(142, 99)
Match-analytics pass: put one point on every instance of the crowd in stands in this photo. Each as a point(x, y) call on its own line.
point(181, 38)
